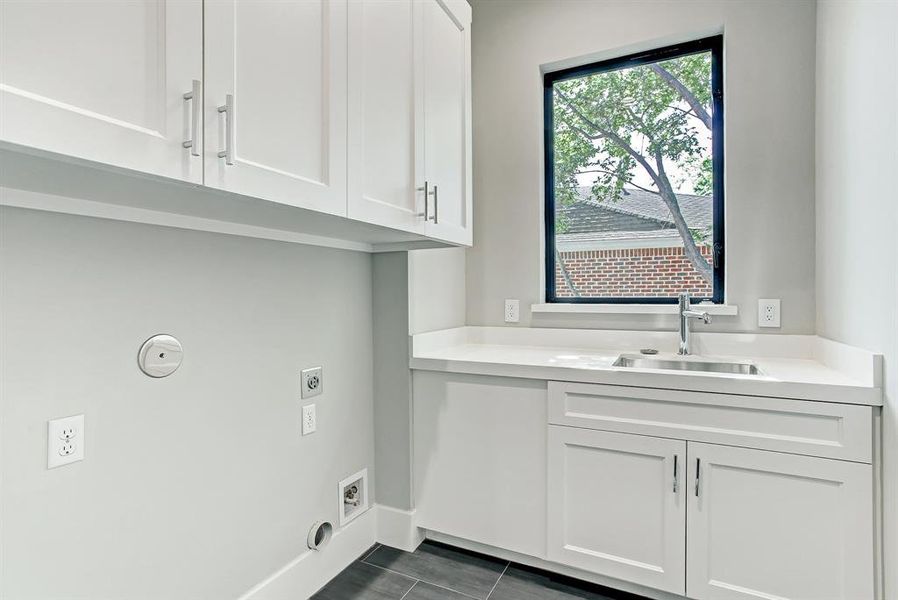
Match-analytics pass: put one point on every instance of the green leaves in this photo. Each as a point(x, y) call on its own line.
point(606, 122)
point(634, 127)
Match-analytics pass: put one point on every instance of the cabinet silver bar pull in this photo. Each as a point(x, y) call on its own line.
point(228, 110)
point(193, 96)
point(426, 191)
point(676, 481)
point(436, 205)
point(698, 474)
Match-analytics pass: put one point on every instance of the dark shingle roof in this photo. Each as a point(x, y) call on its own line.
point(635, 211)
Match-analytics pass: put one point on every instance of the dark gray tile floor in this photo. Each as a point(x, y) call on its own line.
point(439, 572)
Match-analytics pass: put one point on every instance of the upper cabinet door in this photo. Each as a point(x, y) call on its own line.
point(385, 136)
point(105, 81)
point(770, 525)
point(447, 118)
point(276, 100)
point(617, 505)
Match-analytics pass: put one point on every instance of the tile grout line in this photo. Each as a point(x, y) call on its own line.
point(373, 550)
point(417, 581)
point(390, 571)
point(442, 587)
point(495, 585)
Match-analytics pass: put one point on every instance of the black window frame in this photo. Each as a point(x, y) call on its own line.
point(714, 44)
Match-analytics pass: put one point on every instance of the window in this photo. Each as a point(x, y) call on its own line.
point(634, 177)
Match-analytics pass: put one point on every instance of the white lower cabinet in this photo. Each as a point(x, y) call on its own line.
point(771, 525)
point(657, 509)
point(709, 521)
point(480, 459)
point(616, 505)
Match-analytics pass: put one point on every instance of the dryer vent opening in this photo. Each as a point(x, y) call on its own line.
point(320, 535)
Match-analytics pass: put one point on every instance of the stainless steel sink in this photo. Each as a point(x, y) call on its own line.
point(686, 364)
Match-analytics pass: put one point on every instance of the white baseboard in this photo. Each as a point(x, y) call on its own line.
point(396, 528)
point(308, 572)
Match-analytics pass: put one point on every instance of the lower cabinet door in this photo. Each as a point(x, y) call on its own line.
point(769, 525)
point(616, 505)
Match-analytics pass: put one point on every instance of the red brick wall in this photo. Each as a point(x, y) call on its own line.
point(634, 272)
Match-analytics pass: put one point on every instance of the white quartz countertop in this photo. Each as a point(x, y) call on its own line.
point(792, 366)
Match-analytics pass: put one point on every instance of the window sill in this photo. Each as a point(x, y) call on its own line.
point(630, 309)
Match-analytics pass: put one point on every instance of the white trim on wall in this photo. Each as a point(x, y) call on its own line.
point(630, 309)
point(311, 570)
point(397, 528)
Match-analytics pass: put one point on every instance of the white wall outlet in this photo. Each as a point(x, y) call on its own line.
point(309, 419)
point(769, 312)
point(512, 310)
point(312, 382)
point(65, 441)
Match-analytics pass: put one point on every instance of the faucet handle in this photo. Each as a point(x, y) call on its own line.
point(696, 314)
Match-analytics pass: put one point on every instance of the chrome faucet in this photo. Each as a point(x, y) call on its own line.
point(687, 313)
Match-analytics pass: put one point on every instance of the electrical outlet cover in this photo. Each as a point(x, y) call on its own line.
point(512, 310)
point(65, 441)
point(769, 312)
point(312, 382)
point(309, 419)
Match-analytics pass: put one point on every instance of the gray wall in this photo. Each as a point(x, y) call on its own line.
point(414, 292)
point(199, 485)
point(769, 97)
point(392, 381)
point(857, 206)
point(436, 282)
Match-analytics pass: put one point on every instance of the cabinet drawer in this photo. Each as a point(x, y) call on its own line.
point(822, 429)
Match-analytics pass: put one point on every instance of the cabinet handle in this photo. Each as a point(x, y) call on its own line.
point(228, 110)
point(436, 205)
point(698, 474)
point(193, 96)
point(426, 190)
point(676, 480)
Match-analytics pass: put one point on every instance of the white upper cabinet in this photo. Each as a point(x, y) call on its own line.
point(356, 108)
point(770, 525)
point(617, 506)
point(410, 116)
point(446, 48)
point(105, 81)
point(385, 142)
point(276, 100)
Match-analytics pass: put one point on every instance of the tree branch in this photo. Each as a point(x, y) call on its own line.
point(629, 181)
point(690, 248)
point(684, 93)
point(688, 113)
point(564, 273)
point(640, 125)
point(659, 176)
point(621, 142)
